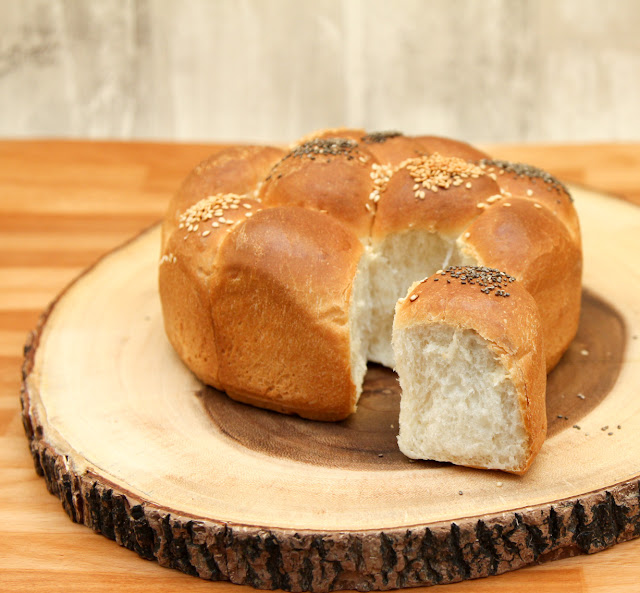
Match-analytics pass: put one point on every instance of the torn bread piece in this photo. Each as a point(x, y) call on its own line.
point(469, 356)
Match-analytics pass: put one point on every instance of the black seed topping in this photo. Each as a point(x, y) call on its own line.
point(328, 146)
point(379, 137)
point(523, 170)
point(489, 278)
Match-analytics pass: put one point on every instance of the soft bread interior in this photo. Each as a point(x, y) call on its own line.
point(360, 322)
point(395, 264)
point(458, 403)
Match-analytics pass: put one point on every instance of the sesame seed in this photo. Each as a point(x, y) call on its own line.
point(434, 172)
point(529, 192)
point(206, 209)
point(584, 352)
point(413, 297)
point(381, 175)
point(536, 205)
point(168, 258)
point(246, 205)
point(468, 184)
point(506, 204)
point(248, 214)
point(460, 492)
point(499, 484)
point(206, 233)
point(580, 396)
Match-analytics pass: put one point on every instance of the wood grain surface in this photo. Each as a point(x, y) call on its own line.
point(62, 205)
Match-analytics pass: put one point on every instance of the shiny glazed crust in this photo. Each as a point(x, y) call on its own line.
point(261, 246)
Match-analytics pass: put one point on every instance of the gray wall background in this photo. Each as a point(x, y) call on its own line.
point(272, 70)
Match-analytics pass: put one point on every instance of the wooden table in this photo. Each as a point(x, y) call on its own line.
point(62, 205)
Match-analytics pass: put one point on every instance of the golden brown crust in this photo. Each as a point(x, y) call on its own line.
point(533, 245)
point(501, 311)
point(187, 264)
point(280, 302)
point(438, 194)
point(450, 147)
point(235, 170)
point(391, 148)
point(330, 175)
point(366, 186)
point(524, 181)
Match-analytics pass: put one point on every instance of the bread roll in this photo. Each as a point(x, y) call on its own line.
point(326, 174)
point(284, 298)
point(218, 193)
point(283, 302)
point(470, 359)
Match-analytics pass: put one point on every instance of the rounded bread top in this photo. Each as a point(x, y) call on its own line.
point(332, 175)
point(236, 170)
point(528, 182)
point(432, 192)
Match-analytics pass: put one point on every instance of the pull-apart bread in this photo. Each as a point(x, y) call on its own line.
point(469, 354)
point(280, 272)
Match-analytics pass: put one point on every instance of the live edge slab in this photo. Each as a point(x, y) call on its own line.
point(281, 502)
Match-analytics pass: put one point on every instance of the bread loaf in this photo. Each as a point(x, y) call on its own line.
point(280, 270)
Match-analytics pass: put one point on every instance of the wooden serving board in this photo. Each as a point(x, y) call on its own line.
point(140, 451)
